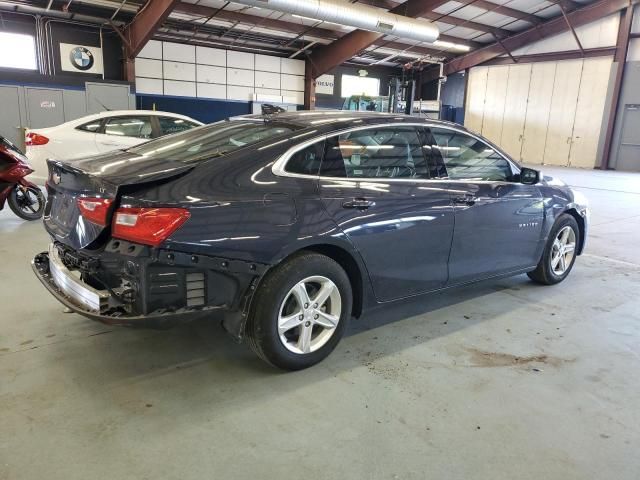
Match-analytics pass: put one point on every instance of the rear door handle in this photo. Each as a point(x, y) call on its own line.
point(359, 203)
point(465, 200)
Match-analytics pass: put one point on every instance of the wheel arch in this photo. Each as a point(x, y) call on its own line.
point(581, 227)
point(347, 259)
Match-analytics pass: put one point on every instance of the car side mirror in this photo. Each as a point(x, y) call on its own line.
point(529, 176)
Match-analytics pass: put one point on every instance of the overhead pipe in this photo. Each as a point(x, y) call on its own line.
point(358, 16)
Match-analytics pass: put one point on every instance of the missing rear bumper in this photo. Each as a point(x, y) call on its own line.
point(91, 303)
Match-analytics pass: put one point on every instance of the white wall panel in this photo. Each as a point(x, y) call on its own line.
point(563, 112)
point(152, 86)
point(267, 80)
point(210, 74)
point(476, 92)
point(495, 102)
point(239, 93)
point(211, 56)
point(179, 52)
point(292, 97)
point(269, 92)
point(239, 77)
point(153, 49)
point(291, 66)
point(267, 64)
point(175, 69)
point(179, 71)
point(601, 33)
point(179, 89)
point(240, 60)
point(538, 109)
point(292, 82)
point(148, 68)
point(590, 112)
point(265, 97)
point(515, 110)
point(212, 90)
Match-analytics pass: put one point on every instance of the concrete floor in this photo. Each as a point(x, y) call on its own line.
point(500, 381)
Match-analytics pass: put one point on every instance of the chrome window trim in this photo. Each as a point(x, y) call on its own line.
point(278, 168)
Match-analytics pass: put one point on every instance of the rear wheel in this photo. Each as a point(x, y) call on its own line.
point(300, 311)
point(27, 203)
point(559, 253)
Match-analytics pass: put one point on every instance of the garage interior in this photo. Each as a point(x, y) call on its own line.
point(503, 379)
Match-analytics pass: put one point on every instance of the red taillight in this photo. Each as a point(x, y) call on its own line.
point(150, 226)
point(95, 210)
point(31, 139)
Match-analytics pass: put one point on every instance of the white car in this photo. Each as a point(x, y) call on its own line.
point(99, 133)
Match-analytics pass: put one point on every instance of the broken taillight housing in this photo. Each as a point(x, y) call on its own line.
point(149, 226)
point(95, 209)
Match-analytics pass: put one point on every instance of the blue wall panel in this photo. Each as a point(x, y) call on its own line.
point(205, 110)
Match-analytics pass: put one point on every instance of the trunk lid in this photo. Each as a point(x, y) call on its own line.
point(103, 176)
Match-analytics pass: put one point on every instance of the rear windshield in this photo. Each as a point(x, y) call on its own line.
point(212, 140)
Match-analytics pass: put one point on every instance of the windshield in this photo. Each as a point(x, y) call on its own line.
point(212, 140)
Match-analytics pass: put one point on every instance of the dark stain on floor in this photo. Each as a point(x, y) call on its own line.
point(481, 358)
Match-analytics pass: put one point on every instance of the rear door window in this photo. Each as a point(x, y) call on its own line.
point(93, 126)
point(306, 161)
point(133, 126)
point(381, 152)
point(170, 125)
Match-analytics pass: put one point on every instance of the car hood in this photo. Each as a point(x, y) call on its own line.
point(553, 181)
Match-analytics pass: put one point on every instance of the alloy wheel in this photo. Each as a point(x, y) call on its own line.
point(309, 314)
point(563, 250)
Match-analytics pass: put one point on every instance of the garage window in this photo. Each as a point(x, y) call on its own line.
point(356, 85)
point(18, 51)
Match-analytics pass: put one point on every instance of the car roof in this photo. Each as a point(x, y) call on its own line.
point(333, 119)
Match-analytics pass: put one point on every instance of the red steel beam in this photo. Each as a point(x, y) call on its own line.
point(582, 16)
point(146, 22)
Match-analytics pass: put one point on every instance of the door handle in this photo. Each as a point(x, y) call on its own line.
point(359, 203)
point(465, 200)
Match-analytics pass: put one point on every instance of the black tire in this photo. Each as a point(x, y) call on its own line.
point(544, 273)
point(23, 207)
point(262, 327)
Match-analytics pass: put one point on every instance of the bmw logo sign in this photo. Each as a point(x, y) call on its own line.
point(81, 58)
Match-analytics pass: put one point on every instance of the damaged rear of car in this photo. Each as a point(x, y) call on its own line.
point(114, 221)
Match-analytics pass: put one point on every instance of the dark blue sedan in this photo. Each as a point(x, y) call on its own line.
point(285, 226)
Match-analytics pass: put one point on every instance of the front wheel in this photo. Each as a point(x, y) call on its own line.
point(559, 253)
point(300, 311)
point(27, 203)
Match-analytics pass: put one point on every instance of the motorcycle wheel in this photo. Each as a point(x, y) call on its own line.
point(28, 204)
